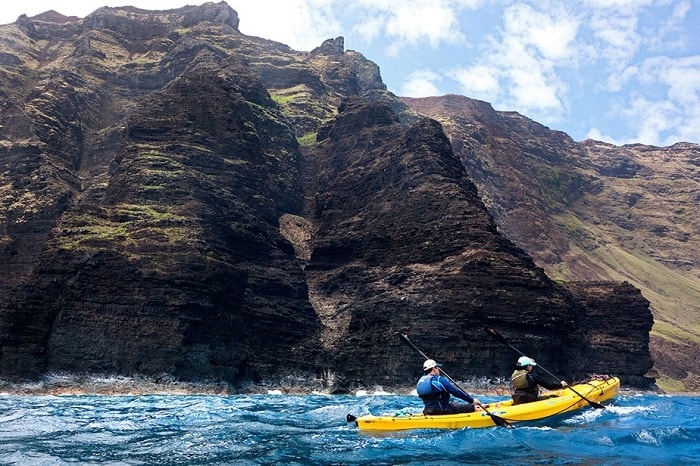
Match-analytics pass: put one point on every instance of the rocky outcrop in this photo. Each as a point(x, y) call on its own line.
point(591, 211)
point(604, 332)
point(404, 244)
point(181, 200)
point(180, 267)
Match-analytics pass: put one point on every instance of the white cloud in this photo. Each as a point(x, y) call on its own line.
point(651, 118)
point(618, 80)
point(478, 81)
point(415, 22)
point(618, 4)
point(519, 70)
point(421, 83)
point(551, 32)
point(681, 75)
point(534, 92)
point(304, 24)
point(429, 22)
point(671, 34)
point(301, 24)
point(370, 28)
point(660, 104)
point(679, 107)
point(616, 37)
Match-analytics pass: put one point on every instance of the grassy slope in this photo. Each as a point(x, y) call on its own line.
point(675, 297)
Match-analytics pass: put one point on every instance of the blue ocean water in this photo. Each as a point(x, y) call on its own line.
point(644, 429)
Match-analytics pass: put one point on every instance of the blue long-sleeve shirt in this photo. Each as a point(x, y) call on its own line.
point(435, 391)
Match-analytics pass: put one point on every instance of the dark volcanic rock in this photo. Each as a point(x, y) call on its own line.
point(626, 336)
point(591, 211)
point(181, 200)
point(181, 269)
point(404, 244)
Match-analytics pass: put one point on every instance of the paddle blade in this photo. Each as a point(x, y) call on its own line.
point(499, 421)
point(595, 404)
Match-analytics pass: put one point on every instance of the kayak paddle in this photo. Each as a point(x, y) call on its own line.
point(500, 338)
point(499, 421)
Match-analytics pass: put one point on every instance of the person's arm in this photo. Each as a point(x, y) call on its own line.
point(547, 383)
point(455, 391)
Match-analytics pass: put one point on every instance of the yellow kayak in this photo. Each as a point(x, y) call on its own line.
point(560, 401)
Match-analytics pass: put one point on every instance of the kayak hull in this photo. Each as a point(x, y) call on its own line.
point(560, 401)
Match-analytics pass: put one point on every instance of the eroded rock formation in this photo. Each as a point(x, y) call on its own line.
point(179, 199)
point(592, 211)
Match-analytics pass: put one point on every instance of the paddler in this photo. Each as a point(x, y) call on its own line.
point(526, 384)
point(435, 391)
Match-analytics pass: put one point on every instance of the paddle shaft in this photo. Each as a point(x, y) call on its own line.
point(447, 376)
point(500, 338)
point(499, 421)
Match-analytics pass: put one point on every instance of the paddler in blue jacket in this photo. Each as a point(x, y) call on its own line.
point(435, 390)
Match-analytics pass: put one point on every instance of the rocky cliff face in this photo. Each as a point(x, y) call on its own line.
point(398, 220)
point(160, 251)
point(179, 199)
point(591, 211)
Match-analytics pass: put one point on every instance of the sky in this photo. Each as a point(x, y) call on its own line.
point(619, 71)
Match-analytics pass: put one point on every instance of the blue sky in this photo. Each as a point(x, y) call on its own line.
point(620, 71)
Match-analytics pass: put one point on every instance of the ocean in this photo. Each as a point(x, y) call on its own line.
point(644, 429)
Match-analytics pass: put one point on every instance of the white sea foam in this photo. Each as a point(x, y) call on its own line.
point(647, 437)
point(381, 392)
point(526, 427)
point(584, 417)
point(630, 410)
point(590, 415)
point(378, 391)
point(605, 441)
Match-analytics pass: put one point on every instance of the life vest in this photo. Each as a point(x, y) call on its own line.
point(426, 389)
point(519, 380)
point(433, 393)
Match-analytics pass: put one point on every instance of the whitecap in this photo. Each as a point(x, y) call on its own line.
point(381, 392)
point(605, 441)
point(647, 437)
point(584, 417)
point(543, 428)
point(630, 410)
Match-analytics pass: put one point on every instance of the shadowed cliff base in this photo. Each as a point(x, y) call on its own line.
point(300, 384)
